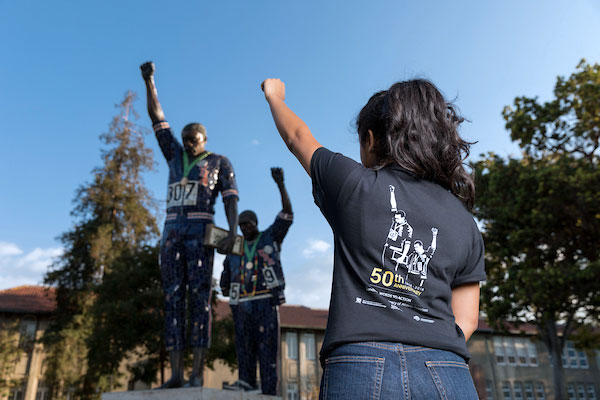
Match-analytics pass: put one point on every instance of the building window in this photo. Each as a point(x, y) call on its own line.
point(591, 391)
point(532, 351)
point(580, 391)
point(17, 393)
point(291, 339)
point(515, 351)
point(506, 391)
point(43, 391)
point(499, 350)
point(489, 390)
point(529, 391)
point(521, 347)
point(69, 393)
point(540, 392)
point(509, 349)
point(572, 355)
point(27, 333)
point(309, 345)
point(518, 390)
point(572, 358)
point(583, 361)
point(292, 391)
point(571, 391)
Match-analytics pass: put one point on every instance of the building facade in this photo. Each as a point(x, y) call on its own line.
point(29, 309)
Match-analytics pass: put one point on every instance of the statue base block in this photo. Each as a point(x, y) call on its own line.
point(186, 394)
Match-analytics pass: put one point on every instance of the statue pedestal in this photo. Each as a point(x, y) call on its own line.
point(186, 394)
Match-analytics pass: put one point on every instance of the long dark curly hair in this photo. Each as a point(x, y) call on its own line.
point(415, 127)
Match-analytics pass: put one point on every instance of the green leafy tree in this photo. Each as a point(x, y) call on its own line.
point(569, 124)
point(10, 353)
point(129, 317)
point(113, 217)
point(541, 217)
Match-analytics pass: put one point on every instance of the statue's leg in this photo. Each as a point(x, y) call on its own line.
point(246, 336)
point(197, 377)
point(172, 272)
point(176, 381)
point(199, 271)
point(268, 345)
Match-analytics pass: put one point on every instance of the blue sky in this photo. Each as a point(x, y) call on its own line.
point(65, 65)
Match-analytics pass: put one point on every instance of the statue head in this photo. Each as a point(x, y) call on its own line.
point(248, 224)
point(193, 137)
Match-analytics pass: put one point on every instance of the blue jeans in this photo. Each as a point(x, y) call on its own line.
point(381, 370)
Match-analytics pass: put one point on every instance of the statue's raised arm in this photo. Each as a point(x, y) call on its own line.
point(155, 110)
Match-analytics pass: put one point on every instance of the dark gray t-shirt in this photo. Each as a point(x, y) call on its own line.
point(401, 245)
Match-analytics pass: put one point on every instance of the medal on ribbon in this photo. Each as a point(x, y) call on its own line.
point(187, 166)
point(251, 263)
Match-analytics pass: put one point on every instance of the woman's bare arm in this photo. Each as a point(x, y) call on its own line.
point(465, 306)
point(294, 132)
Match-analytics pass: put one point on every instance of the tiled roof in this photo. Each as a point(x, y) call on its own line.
point(528, 329)
point(290, 316)
point(302, 317)
point(28, 299)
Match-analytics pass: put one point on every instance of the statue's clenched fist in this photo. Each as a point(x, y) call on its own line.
point(147, 70)
point(277, 174)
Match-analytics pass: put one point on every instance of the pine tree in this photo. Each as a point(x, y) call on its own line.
point(113, 218)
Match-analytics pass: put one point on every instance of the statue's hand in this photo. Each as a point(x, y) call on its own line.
point(226, 245)
point(273, 88)
point(277, 174)
point(147, 70)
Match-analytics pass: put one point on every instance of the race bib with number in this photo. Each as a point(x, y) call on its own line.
point(234, 294)
point(270, 277)
point(182, 194)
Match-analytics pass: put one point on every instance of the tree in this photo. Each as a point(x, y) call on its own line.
point(129, 317)
point(113, 218)
point(541, 217)
point(10, 353)
point(569, 124)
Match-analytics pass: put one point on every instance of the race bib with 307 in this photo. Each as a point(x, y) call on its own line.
point(182, 194)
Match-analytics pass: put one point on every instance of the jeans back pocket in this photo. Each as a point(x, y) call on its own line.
point(452, 380)
point(352, 377)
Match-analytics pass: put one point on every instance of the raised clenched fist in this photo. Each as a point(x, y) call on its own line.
point(273, 88)
point(277, 174)
point(147, 70)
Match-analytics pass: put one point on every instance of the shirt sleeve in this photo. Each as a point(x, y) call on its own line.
point(228, 186)
point(330, 172)
point(474, 269)
point(166, 140)
point(280, 227)
point(225, 281)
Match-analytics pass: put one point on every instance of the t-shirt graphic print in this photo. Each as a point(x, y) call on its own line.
point(404, 262)
point(399, 241)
